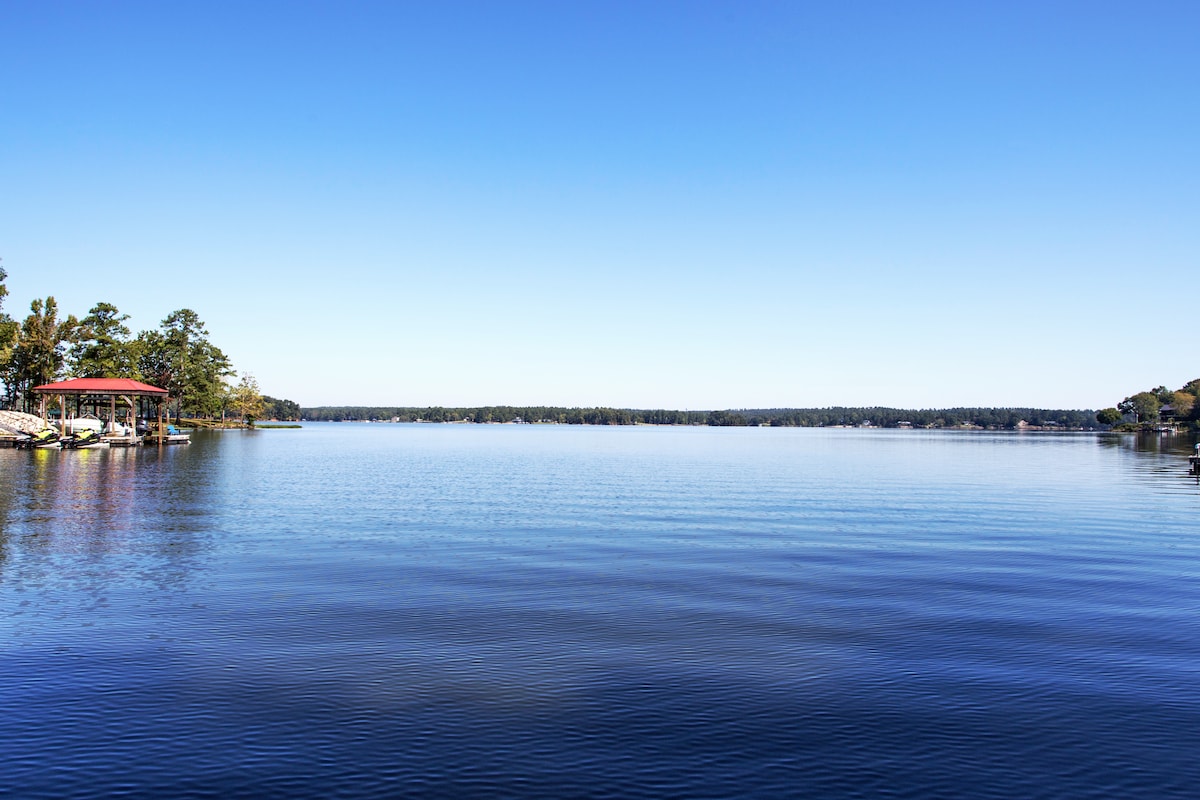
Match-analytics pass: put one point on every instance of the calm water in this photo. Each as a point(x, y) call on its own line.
point(527, 611)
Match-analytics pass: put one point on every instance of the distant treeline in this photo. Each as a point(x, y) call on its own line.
point(274, 408)
point(989, 418)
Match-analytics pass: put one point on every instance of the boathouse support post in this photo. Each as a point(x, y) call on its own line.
point(130, 415)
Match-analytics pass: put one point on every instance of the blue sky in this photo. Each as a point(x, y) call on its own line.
point(681, 205)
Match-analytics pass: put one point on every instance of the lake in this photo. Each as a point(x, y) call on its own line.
point(378, 610)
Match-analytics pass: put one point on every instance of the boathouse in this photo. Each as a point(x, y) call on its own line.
point(100, 395)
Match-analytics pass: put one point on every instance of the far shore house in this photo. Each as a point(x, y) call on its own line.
point(99, 396)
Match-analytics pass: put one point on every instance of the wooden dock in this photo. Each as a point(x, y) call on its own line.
point(123, 441)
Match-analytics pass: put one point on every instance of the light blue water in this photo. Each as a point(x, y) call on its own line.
point(529, 611)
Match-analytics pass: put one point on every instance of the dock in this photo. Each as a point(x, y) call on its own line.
point(123, 441)
point(101, 396)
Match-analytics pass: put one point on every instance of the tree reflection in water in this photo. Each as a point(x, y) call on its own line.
point(92, 517)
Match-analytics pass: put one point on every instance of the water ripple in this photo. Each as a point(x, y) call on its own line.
point(516, 611)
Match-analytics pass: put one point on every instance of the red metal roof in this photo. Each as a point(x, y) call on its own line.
point(99, 386)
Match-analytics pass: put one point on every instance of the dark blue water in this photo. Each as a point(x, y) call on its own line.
point(528, 611)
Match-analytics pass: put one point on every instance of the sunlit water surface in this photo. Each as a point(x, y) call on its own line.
point(544, 611)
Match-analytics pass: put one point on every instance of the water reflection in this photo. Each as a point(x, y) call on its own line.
point(67, 512)
point(1180, 444)
point(1158, 459)
point(6, 501)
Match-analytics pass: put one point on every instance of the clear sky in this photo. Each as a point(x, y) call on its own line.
point(634, 204)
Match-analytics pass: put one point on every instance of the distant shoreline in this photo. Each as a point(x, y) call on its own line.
point(1018, 419)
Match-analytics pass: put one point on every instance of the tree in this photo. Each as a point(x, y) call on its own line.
point(1183, 403)
point(283, 409)
point(1190, 391)
point(102, 347)
point(179, 358)
point(1144, 405)
point(39, 353)
point(153, 360)
point(246, 401)
point(8, 337)
point(1108, 416)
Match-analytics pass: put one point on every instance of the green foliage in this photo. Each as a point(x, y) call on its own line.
point(1143, 405)
point(246, 401)
point(726, 419)
point(1108, 416)
point(39, 354)
point(102, 346)
point(1183, 404)
point(8, 337)
point(274, 408)
point(183, 361)
point(1187, 401)
point(153, 360)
